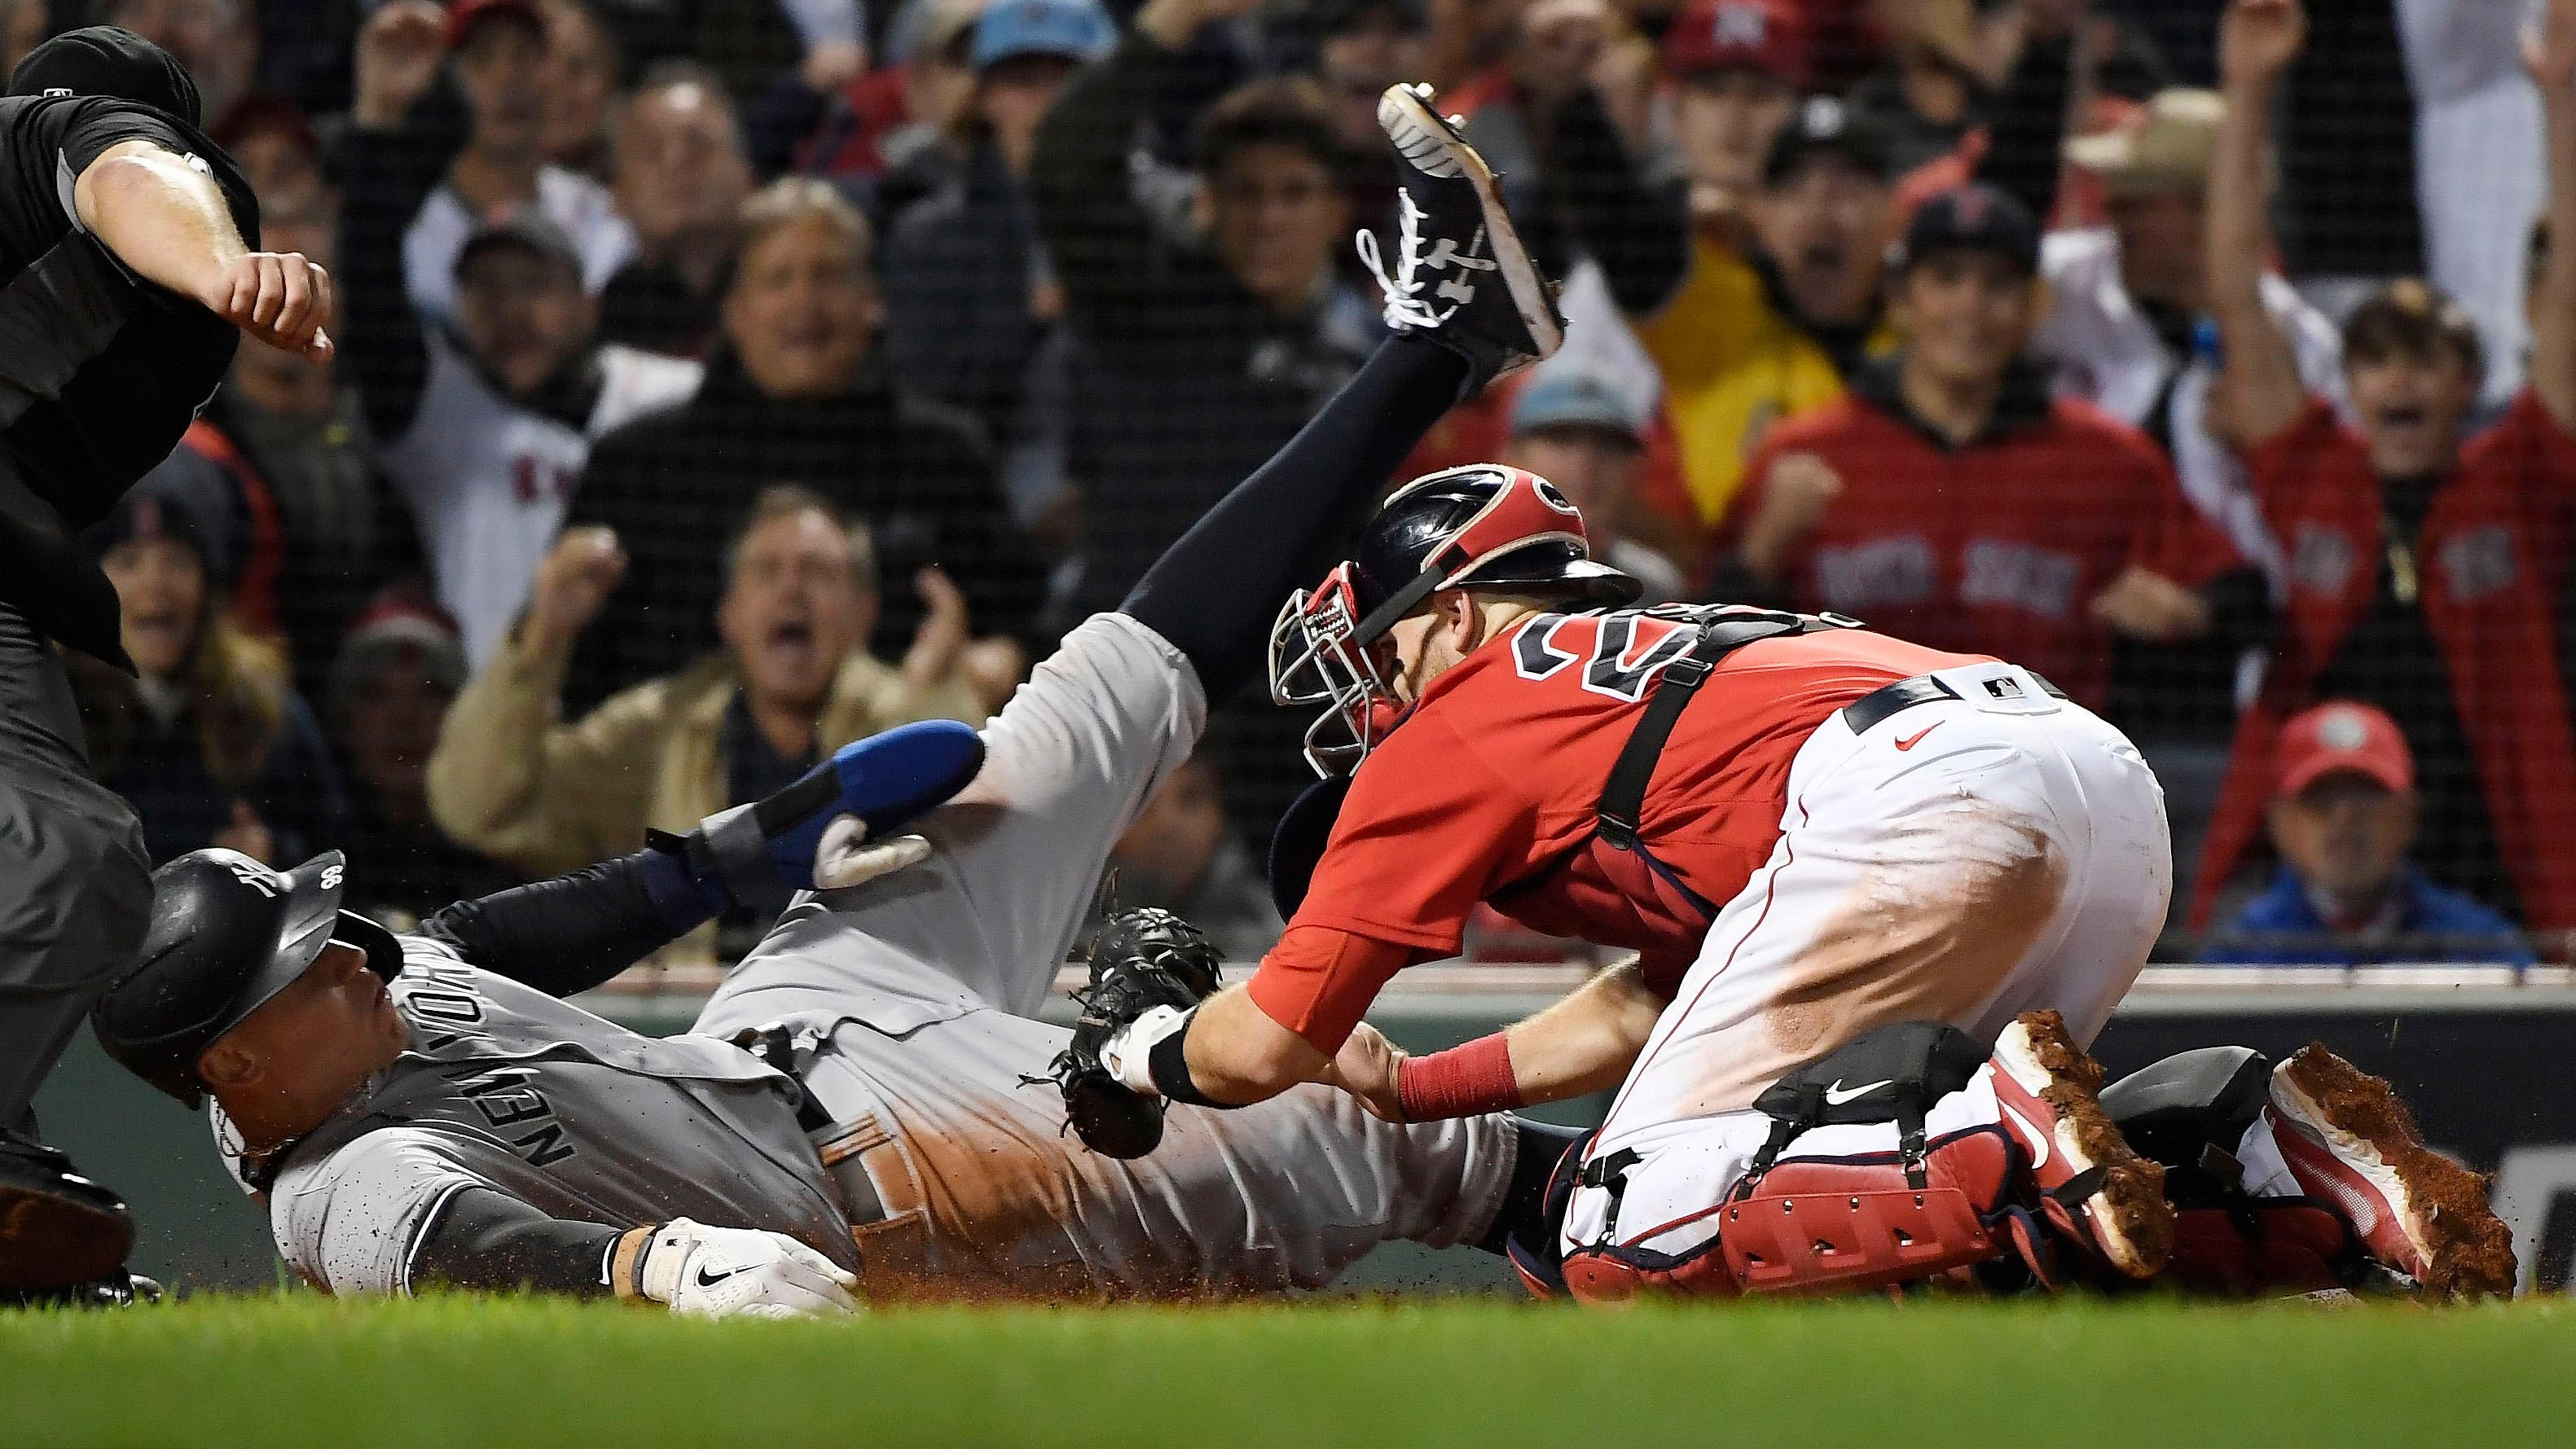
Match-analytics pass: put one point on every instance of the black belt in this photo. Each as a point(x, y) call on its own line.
point(1887, 701)
point(776, 1049)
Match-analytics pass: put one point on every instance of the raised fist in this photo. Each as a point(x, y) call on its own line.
point(573, 584)
point(399, 49)
point(2258, 39)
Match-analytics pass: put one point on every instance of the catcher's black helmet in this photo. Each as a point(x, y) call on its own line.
point(1484, 525)
point(227, 933)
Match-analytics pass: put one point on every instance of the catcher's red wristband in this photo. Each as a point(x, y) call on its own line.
point(1460, 1082)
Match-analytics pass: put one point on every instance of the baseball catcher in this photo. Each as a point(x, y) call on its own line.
point(1883, 896)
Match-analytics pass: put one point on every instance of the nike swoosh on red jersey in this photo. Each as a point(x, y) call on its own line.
point(1916, 738)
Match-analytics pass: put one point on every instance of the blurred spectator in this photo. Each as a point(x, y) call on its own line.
point(681, 175)
point(2342, 819)
point(2426, 567)
point(396, 675)
point(1575, 183)
point(1775, 317)
point(24, 25)
point(796, 393)
point(1355, 49)
point(2347, 157)
point(1736, 68)
point(217, 40)
point(584, 71)
point(1942, 65)
point(810, 46)
point(793, 682)
point(276, 149)
point(969, 294)
point(206, 739)
point(495, 52)
point(2479, 172)
point(889, 136)
point(1575, 427)
point(486, 422)
point(1950, 501)
point(2128, 326)
point(1180, 856)
point(321, 529)
point(1206, 338)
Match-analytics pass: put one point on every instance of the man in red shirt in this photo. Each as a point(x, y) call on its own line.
point(2425, 565)
point(1882, 834)
point(1950, 500)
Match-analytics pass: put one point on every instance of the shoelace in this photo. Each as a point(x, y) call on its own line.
point(1405, 306)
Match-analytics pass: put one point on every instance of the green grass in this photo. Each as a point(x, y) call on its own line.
point(279, 1372)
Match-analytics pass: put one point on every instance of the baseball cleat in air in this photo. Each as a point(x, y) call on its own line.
point(1460, 275)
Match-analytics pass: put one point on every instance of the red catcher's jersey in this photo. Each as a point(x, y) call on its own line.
point(1486, 791)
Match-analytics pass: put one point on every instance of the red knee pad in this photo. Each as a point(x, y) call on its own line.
point(1825, 1225)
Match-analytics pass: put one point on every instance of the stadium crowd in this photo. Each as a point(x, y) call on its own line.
point(721, 380)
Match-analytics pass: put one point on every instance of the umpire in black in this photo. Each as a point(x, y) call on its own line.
point(128, 271)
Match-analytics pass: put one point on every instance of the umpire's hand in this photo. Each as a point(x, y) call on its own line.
point(281, 298)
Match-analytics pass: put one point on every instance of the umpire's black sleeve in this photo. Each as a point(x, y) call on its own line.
point(575, 931)
point(492, 1242)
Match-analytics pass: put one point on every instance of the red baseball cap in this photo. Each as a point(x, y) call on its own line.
point(464, 15)
point(2341, 736)
point(1769, 36)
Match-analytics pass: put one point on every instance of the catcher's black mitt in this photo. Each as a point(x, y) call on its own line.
point(1140, 960)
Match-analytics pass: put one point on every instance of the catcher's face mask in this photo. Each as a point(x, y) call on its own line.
point(1317, 656)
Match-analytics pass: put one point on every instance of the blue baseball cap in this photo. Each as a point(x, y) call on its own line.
point(1075, 29)
point(1576, 397)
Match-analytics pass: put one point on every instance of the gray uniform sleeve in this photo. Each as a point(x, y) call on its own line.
point(353, 1222)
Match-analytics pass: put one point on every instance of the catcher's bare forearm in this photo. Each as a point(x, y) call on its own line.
point(1238, 1055)
point(1587, 1042)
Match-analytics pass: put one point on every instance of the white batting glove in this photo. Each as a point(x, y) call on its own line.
point(705, 1272)
point(845, 858)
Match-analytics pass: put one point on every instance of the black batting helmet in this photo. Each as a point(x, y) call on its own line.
point(1481, 526)
point(227, 933)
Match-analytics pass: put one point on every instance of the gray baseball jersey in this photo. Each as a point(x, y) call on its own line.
point(507, 1088)
point(909, 1000)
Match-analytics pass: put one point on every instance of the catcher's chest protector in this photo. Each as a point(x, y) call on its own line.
point(1813, 1225)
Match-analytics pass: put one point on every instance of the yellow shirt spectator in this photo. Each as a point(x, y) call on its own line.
point(1734, 363)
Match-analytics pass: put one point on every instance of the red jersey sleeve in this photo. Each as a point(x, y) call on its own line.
point(2529, 441)
point(2281, 465)
point(2172, 537)
point(1318, 982)
point(1426, 827)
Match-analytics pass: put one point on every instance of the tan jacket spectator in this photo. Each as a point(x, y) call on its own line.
point(512, 780)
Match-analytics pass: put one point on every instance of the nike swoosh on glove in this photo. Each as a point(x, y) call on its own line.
point(705, 1272)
